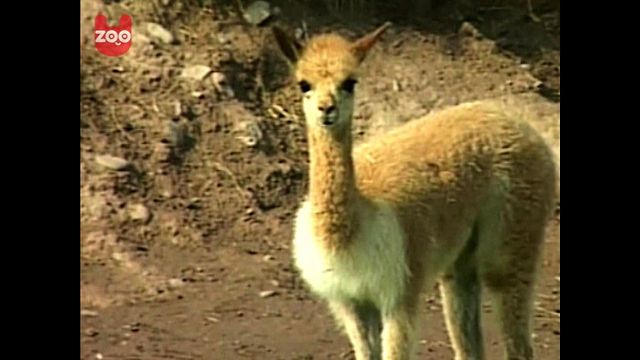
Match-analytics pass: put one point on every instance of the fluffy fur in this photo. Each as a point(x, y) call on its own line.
point(460, 196)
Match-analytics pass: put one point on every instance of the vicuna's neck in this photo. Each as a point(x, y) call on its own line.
point(332, 188)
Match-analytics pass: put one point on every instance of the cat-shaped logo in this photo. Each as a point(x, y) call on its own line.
point(113, 41)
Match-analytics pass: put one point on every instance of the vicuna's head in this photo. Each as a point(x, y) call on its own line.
point(326, 73)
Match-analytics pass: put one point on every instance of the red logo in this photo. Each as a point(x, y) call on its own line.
point(113, 41)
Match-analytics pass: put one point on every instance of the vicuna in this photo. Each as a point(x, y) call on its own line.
point(461, 196)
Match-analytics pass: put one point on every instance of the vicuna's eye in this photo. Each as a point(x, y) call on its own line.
point(304, 86)
point(348, 85)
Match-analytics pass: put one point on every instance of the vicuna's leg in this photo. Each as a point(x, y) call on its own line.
point(511, 279)
point(362, 323)
point(397, 333)
point(513, 308)
point(461, 291)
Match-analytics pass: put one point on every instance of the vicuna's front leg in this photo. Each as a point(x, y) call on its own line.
point(362, 323)
point(397, 334)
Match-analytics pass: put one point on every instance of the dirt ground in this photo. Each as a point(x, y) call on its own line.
point(185, 248)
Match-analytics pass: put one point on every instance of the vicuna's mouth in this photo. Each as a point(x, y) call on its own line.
point(328, 121)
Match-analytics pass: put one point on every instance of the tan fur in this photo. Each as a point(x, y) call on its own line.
point(461, 196)
point(324, 60)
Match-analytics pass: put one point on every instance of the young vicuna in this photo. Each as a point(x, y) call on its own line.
point(461, 196)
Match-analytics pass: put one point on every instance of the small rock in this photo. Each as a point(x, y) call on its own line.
point(258, 12)
point(219, 81)
point(251, 134)
point(175, 283)
point(223, 39)
point(213, 319)
point(194, 203)
point(118, 256)
point(467, 29)
point(557, 278)
point(158, 32)
point(139, 212)
point(396, 85)
point(268, 258)
point(196, 72)
point(142, 39)
point(275, 283)
point(197, 94)
point(99, 356)
point(89, 313)
point(525, 66)
point(112, 162)
point(267, 293)
point(91, 332)
point(249, 211)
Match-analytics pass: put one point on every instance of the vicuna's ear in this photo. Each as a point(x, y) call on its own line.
point(289, 46)
point(362, 46)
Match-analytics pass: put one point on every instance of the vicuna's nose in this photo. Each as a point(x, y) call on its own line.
point(327, 109)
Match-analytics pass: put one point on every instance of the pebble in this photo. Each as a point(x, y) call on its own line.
point(112, 162)
point(268, 257)
point(175, 283)
point(90, 313)
point(258, 12)
point(118, 256)
point(139, 212)
point(196, 72)
point(467, 29)
point(250, 133)
point(158, 32)
point(267, 293)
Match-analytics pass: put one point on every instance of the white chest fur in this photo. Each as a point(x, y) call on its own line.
point(372, 268)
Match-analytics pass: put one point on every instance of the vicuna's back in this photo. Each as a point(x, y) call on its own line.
point(456, 155)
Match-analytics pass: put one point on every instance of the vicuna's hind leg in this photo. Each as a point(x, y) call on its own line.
point(513, 309)
point(461, 291)
point(511, 281)
point(363, 325)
